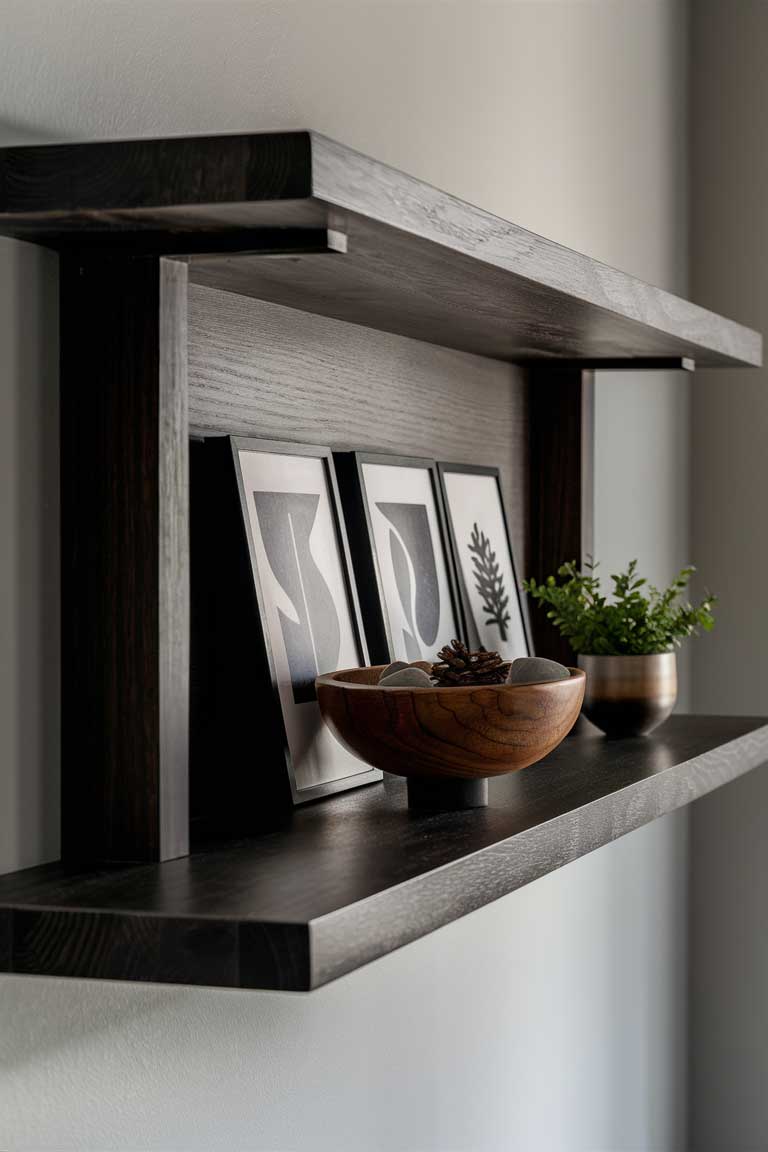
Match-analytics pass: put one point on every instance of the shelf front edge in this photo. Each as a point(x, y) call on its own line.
point(44, 933)
point(152, 193)
point(354, 936)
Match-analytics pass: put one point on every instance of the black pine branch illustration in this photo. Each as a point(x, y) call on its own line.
point(489, 581)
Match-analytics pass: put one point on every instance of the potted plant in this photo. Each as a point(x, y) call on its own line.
point(626, 644)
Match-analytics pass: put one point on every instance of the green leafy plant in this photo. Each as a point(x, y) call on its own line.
point(638, 620)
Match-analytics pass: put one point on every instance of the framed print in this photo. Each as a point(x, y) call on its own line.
point(306, 600)
point(485, 567)
point(400, 549)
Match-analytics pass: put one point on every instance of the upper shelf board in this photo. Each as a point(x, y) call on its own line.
point(358, 875)
point(355, 240)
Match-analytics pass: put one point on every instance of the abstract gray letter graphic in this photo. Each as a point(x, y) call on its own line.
point(412, 525)
point(404, 587)
point(312, 642)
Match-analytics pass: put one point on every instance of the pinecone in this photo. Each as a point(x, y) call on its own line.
point(458, 667)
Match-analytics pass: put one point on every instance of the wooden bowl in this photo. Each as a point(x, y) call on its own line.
point(459, 733)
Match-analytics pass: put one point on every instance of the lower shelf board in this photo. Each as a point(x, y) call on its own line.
point(357, 876)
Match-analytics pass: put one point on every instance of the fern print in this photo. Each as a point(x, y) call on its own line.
point(488, 581)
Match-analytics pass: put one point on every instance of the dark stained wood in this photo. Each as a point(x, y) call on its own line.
point(6, 940)
point(125, 564)
point(359, 875)
point(173, 571)
point(638, 364)
point(161, 231)
point(78, 183)
point(399, 282)
point(298, 220)
point(350, 182)
point(452, 732)
point(419, 262)
point(103, 946)
point(561, 512)
point(275, 956)
point(258, 369)
point(266, 241)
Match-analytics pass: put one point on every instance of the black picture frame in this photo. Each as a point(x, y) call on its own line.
point(474, 638)
point(238, 707)
point(350, 471)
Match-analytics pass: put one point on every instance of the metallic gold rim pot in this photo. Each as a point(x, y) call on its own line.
point(629, 695)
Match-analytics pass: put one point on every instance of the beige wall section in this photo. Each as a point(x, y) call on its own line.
point(729, 248)
point(552, 1021)
point(562, 115)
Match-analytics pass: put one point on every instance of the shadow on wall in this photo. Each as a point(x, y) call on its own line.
point(18, 133)
point(29, 557)
point(538, 1048)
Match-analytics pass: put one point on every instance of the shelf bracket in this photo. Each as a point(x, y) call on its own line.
point(202, 245)
point(561, 492)
point(125, 558)
point(620, 364)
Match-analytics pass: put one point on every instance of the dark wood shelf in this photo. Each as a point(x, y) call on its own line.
point(297, 220)
point(355, 240)
point(357, 876)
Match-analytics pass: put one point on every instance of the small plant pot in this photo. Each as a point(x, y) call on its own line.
point(629, 695)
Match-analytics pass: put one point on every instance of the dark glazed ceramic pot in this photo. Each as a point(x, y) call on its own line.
point(629, 695)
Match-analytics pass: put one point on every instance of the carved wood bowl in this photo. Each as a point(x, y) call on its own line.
point(448, 733)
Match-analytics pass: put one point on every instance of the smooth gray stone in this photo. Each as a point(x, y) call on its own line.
point(534, 669)
point(392, 668)
point(406, 678)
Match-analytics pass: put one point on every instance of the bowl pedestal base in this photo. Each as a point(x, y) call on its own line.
point(446, 794)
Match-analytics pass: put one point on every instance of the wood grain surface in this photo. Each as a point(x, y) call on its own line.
point(258, 369)
point(462, 733)
point(125, 559)
point(400, 282)
point(561, 492)
point(558, 276)
point(419, 262)
point(173, 562)
point(360, 875)
point(79, 183)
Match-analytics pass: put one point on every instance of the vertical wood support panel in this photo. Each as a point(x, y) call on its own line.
point(125, 559)
point(561, 519)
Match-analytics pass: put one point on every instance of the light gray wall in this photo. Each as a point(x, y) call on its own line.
point(553, 1021)
point(729, 847)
